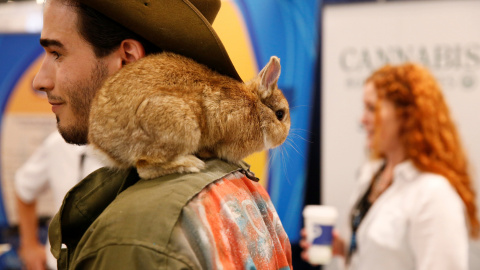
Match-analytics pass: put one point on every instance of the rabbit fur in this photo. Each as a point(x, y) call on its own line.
point(164, 111)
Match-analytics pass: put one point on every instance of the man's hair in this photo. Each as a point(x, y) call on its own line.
point(104, 34)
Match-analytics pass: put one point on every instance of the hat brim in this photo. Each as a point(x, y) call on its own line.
point(172, 25)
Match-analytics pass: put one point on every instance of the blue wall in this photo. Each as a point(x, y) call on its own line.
point(17, 52)
point(289, 30)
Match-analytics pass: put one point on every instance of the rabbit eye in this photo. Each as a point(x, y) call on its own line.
point(280, 114)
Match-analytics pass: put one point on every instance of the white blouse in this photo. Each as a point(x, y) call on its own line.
point(56, 165)
point(418, 223)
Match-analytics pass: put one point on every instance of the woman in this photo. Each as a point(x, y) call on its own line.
point(414, 206)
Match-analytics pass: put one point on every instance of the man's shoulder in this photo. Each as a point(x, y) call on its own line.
point(150, 209)
point(173, 190)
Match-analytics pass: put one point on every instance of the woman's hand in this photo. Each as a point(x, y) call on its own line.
point(338, 244)
point(304, 245)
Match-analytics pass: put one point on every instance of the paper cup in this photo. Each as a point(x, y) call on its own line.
point(319, 222)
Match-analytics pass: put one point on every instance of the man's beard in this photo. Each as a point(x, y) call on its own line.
point(80, 97)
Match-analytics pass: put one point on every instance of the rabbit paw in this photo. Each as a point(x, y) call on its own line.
point(181, 164)
point(187, 164)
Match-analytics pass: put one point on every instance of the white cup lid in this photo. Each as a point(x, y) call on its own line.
point(320, 211)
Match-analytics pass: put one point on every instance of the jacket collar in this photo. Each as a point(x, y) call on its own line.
point(84, 203)
point(405, 171)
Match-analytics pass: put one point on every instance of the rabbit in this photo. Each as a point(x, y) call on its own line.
point(165, 112)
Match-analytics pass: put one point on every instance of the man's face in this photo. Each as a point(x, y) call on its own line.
point(70, 73)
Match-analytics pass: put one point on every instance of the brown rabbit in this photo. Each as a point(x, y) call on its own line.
point(161, 112)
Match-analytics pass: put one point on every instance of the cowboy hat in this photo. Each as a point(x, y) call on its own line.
point(179, 26)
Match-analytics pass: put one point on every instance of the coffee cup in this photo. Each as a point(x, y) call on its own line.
point(319, 221)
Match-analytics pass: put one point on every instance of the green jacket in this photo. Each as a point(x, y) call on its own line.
point(115, 220)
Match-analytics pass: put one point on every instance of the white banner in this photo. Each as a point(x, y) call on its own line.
point(359, 38)
point(21, 17)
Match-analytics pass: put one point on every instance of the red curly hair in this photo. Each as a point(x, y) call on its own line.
point(427, 131)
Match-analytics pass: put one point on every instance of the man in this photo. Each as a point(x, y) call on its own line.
point(217, 218)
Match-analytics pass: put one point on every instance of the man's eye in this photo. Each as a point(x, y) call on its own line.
point(56, 55)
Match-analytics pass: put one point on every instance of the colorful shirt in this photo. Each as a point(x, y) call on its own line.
point(238, 227)
point(215, 219)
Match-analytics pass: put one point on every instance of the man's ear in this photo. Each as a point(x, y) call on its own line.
point(131, 50)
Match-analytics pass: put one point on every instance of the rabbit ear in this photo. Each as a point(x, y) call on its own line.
point(269, 77)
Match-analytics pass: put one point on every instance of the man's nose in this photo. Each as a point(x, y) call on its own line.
point(44, 80)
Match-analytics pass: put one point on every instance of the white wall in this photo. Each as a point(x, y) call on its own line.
point(21, 17)
point(359, 38)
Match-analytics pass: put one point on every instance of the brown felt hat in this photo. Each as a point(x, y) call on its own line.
point(179, 26)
